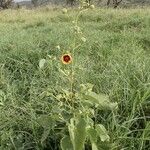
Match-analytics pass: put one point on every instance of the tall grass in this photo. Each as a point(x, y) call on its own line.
point(115, 59)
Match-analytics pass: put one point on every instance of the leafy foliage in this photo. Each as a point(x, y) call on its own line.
point(5, 4)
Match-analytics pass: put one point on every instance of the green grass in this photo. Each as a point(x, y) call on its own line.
point(115, 59)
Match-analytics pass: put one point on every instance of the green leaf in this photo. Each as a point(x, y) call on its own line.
point(94, 146)
point(46, 121)
point(100, 100)
point(42, 63)
point(80, 134)
point(92, 133)
point(66, 143)
point(71, 128)
point(86, 87)
point(91, 98)
point(77, 130)
point(102, 133)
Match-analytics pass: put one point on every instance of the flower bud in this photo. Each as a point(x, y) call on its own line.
point(64, 10)
point(83, 39)
point(92, 6)
point(58, 47)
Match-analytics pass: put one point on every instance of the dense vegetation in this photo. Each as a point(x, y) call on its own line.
point(115, 59)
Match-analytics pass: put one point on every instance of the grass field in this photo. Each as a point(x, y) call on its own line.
point(115, 59)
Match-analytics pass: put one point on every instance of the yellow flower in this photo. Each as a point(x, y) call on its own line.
point(66, 59)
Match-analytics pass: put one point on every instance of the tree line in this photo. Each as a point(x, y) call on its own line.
point(5, 4)
point(114, 2)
